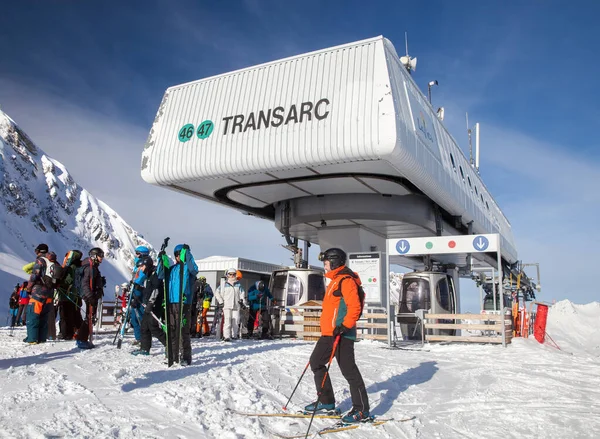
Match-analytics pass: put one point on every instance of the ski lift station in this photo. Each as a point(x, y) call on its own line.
point(339, 148)
point(214, 268)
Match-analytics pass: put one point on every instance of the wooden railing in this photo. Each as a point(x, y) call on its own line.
point(496, 328)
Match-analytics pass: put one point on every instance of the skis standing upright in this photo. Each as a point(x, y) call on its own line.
point(165, 266)
point(180, 322)
point(124, 319)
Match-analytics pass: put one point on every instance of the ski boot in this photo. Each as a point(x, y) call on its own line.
point(356, 416)
point(140, 352)
point(323, 409)
point(84, 344)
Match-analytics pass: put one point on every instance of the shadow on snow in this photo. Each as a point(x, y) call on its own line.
point(397, 384)
point(230, 357)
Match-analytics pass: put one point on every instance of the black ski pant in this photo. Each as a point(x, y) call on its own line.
point(186, 341)
point(150, 328)
point(22, 314)
point(345, 359)
point(265, 321)
point(70, 319)
point(84, 331)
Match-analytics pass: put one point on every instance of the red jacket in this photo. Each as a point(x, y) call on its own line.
point(23, 296)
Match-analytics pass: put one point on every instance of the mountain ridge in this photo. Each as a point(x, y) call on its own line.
point(41, 202)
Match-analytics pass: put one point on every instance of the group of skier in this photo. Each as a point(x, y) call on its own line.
point(170, 303)
point(73, 288)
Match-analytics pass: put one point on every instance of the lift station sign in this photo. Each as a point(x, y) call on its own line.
point(368, 268)
point(436, 245)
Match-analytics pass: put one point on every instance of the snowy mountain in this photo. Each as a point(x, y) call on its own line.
point(40, 202)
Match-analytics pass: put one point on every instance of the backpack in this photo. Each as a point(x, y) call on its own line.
point(72, 257)
point(360, 289)
point(54, 272)
point(78, 281)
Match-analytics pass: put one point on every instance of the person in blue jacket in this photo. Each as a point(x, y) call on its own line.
point(179, 278)
point(143, 264)
point(257, 298)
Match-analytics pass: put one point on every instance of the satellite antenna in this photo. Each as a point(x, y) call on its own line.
point(407, 61)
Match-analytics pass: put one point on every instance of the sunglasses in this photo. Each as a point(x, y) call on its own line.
point(230, 274)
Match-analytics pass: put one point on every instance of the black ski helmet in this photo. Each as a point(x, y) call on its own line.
point(42, 248)
point(96, 252)
point(147, 261)
point(260, 285)
point(335, 256)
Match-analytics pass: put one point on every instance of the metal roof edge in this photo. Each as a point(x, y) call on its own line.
point(300, 55)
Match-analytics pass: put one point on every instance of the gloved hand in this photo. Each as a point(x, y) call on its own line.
point(103, 282)
point(242, 305)
point(135, 301)
point(186, 247)
point(340, 330)
point(161, 254)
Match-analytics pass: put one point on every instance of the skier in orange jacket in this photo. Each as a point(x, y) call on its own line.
point(342, 306)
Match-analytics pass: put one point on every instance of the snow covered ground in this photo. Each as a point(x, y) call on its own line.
point(527, 390)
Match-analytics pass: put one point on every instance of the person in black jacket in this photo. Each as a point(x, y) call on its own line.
point(153, 295)
point(92, 290)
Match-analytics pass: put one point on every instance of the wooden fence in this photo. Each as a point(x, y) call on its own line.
point(491, 326)
point(372, 324)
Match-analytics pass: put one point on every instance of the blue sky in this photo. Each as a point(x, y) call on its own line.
point(84, 79)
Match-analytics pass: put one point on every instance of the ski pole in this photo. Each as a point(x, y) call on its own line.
point(161, 324)
point(297, 384)
point(335, 345)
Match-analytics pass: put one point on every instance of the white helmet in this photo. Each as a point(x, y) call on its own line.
point(124, 285)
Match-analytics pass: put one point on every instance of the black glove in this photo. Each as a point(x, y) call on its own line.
point(161, 254)
point(340, 330)
point(241, 302)
point(135, 301)
point(103, 282)
point(186, 247)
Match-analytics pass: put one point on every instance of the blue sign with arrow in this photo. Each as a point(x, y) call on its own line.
point(403, 246)
point(481, 243)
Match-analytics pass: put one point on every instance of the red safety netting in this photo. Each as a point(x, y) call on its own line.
point(539, 327)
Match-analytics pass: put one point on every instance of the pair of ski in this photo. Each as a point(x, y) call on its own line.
point(174, 346)
point(337, 427)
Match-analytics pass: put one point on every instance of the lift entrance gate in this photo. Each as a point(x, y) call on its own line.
point(472, 245)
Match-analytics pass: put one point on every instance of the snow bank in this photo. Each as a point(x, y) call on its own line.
point(453, 390)
point(575, 328)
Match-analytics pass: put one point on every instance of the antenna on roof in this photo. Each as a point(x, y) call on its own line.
point(474, 163)
point(469, 132)
point(407, 61)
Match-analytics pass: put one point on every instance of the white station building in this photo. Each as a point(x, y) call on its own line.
point(213, 269)
point(337, 147)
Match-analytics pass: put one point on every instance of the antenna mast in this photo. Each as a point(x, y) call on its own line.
point(469, 132)
point(409, 63)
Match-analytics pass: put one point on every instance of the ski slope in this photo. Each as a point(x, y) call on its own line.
point(455, 391)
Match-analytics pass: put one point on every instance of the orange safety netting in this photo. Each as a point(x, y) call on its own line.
point(539, 327)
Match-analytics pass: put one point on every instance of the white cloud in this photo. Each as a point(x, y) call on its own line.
point(103, 154)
